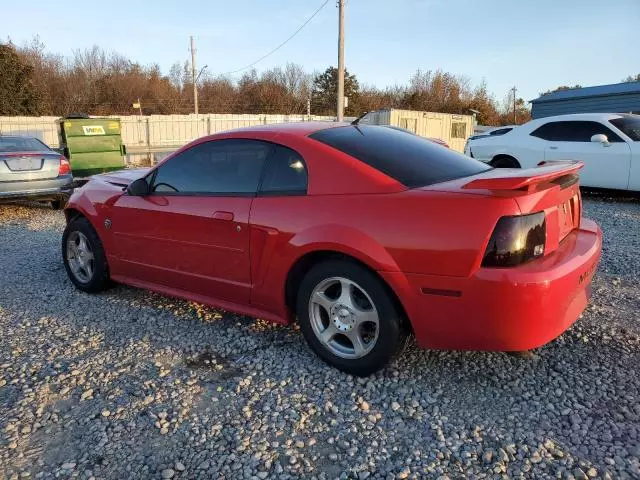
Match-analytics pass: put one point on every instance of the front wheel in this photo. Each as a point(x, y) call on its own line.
point(84, 257)
point(349, 318)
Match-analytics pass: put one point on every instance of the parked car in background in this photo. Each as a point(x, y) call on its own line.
point(491, 132)
point(361, 233)
point(31, 170)
point(607, 143)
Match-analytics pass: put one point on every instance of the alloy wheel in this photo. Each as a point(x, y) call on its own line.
point(80, 257)
point(343, 317)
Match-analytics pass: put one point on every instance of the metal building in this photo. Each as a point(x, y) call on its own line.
point(453, 129)
point(616, 98)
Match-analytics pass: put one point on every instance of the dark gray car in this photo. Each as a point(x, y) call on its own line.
point(31, 170)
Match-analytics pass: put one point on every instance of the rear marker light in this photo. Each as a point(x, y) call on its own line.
point(64, 168)
point(516, 240)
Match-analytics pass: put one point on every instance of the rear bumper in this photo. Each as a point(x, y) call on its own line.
point(504, 309)
point(60, 187)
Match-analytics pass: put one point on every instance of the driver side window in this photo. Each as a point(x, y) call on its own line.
point(218, 167)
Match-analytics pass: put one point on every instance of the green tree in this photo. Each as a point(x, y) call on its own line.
point(325, 92)
point(18, 94)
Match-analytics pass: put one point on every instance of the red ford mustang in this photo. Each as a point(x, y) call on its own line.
point(364, 234)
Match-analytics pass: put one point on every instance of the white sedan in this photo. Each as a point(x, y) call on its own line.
point(607, 143)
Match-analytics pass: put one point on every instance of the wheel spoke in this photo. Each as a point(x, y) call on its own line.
point(75, 265)
point(345, 293)
point(88, 267)
point(328, 333)
point(358, 344)
point(366, 316)
point(82, 244)
point(319, 298)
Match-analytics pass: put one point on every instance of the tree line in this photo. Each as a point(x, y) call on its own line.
point(34, 81)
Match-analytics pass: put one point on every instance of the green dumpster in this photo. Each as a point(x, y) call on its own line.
point(92, 145)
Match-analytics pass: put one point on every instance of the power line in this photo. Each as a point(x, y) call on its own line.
point(282, 44)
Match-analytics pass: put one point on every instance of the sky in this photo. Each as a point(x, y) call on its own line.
point(534, 45)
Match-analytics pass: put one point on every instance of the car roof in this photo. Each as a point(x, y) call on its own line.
point(294, 128)
point(580, 116)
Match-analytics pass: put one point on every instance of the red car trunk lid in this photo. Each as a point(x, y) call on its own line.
point(552, 188)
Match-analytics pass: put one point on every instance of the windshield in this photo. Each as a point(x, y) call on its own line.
point(630, 126)
point(412, 160)
point(21, 144)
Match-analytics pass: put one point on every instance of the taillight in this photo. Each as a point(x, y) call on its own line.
point(516, 240)
point(65, 168)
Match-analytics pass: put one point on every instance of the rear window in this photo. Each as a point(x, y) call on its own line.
point(630, 125)
point(500, 131)
point(21, 144)
point(411, 160)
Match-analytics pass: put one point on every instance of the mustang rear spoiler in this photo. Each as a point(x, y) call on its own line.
point(526, 179)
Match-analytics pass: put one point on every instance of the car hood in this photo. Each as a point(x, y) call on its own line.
point(123, 177)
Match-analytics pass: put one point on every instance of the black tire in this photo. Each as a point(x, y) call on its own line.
point(392, 334)
point(505, 161)
point(58, 204)
point(99, 281)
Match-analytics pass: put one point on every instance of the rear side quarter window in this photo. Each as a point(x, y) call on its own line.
point(285, 173)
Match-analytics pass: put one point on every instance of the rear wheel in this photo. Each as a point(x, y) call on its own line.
point(349, 318)
point(84, 257)
point(504, 161)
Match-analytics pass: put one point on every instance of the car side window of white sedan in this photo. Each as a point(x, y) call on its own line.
point(574, 131)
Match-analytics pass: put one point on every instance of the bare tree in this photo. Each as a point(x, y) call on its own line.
point(97, 82)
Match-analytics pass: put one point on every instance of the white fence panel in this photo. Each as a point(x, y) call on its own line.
point(134, 131)
point(42, 128)
point(148, 136)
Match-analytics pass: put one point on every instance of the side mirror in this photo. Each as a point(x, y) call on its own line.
point(600, 138)
point(138, 188)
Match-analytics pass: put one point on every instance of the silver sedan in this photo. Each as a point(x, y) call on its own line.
point(31, 170)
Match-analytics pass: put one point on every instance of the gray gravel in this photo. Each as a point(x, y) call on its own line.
point(130, 384)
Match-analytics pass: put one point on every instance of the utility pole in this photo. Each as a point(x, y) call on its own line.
point(340, 113)
point(515, 118)
point(309, 108)
point(193, 76)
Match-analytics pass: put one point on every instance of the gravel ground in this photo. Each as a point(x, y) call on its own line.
point(130, 384)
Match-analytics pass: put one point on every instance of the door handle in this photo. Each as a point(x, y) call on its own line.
point(553, 148)
point(223, 216)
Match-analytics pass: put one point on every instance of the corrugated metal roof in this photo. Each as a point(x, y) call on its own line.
point(600, 90)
